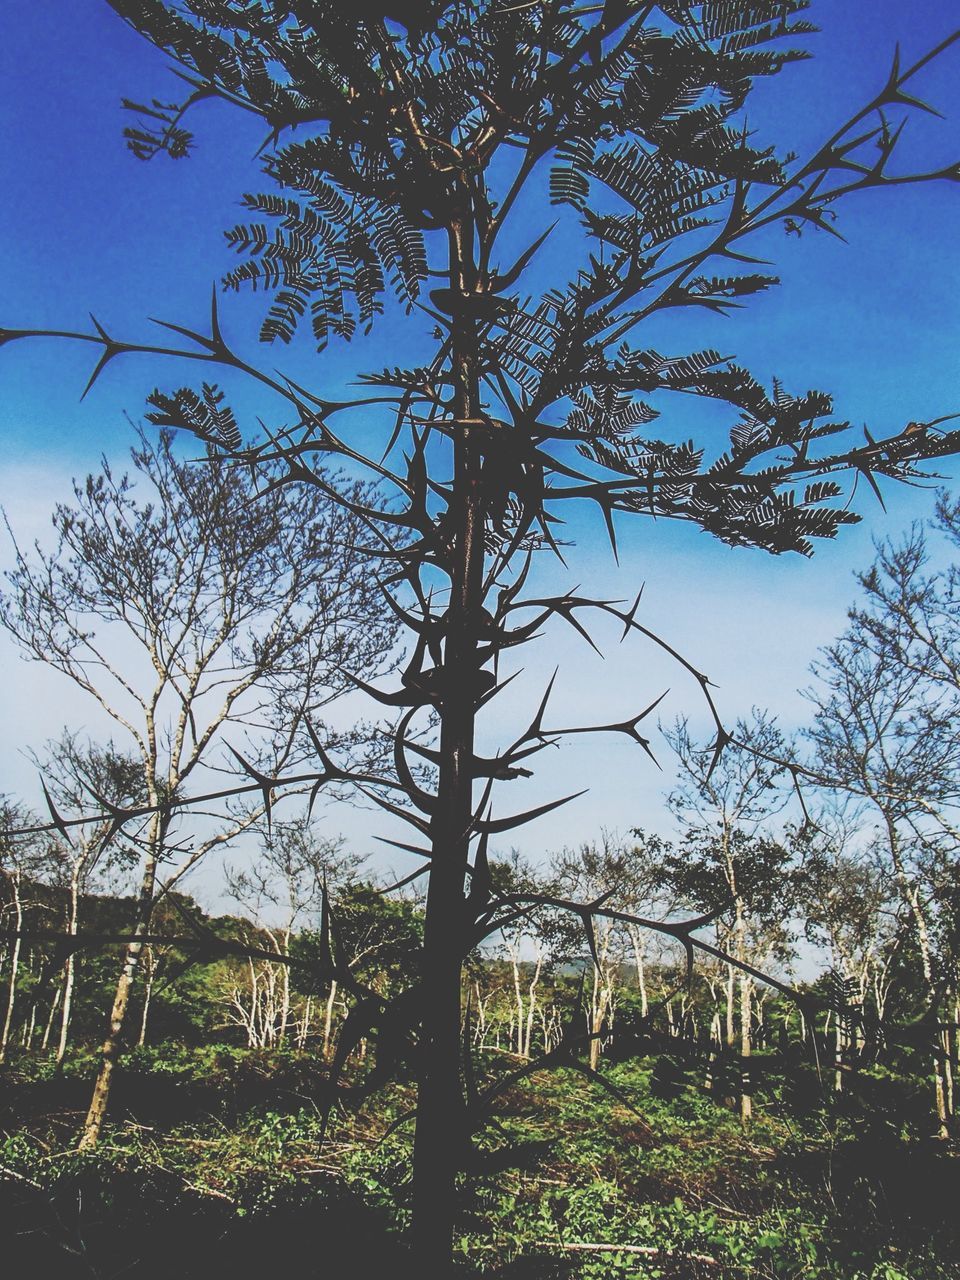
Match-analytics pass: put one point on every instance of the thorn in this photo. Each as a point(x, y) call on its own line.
point(536, 724)
point(100, 329)
point(629, 617)
point(108, 353)
point(215, 333)
point(267, 785)
point(58, 821)
point(530, 815)
point(722, 739)
point(407, 848)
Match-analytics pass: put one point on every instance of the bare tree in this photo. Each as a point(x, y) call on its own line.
point(282, 890)
point(187, 601)
point(74, 772)
point(886, 731)
point(623, 874)
point(848, 904)
point(22, 861)
point(728, 864)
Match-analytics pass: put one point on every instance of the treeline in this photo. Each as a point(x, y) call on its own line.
point(826, 863)
point(253, 979)
point(231, 978)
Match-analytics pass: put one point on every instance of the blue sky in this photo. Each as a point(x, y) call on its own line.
point(86, 228)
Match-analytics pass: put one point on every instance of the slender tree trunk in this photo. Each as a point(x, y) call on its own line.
point(642, 985)
point(912, 895)
point(30, 1027)
point(14, 879)
point(303, 1030)
point(594, 1026)
point(149, 974)
point(731, 1020)
point(284, 990)
point(531, 1007)
point(518, 997)
point(54, 1005)
point(328, 1019)
point(746, 1009)
point(110, 1050)
point(69, 969)
point(440, 1132)
point(947, 1046)
point(746, 1048)
point(715, 1039)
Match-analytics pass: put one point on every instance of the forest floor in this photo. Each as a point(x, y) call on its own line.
point(217, 1163)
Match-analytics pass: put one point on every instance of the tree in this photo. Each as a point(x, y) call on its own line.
point(848, 903)
point(184, 603)
point(21, 858)
point(887, 731)
point(282, 890)
point(728, 864)
point(420, 146)
point(73, 772)
point(627, 875)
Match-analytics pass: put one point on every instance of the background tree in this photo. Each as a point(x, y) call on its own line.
point(21, 858)
point(622, 873)
point(82, 859)
point(885, 731)
point(416, 146)
point(282, 891)
point(728, 862)
point(379, 938)
point(183, 604)
point(848, 903)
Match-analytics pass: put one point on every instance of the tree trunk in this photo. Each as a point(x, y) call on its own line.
point(69, 968)
point(328, 1019)
point(110, 1050)
point(713, 1054)
point(746, 1048)
point(303, 1029)
point(642, 984)
point(731, 1021)
point(14, 878)
point(598, 1011)
point(531, 1007)
point(30, 1027)
point(947, 1046)
point(54, 1004)
point(284, 990)
point(518, 997)
point(150, 971)
point(440, 1132)
point(912, 895)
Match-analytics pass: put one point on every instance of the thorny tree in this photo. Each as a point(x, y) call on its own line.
point(425, 133)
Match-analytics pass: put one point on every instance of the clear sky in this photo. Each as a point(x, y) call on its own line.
point(86, 228)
